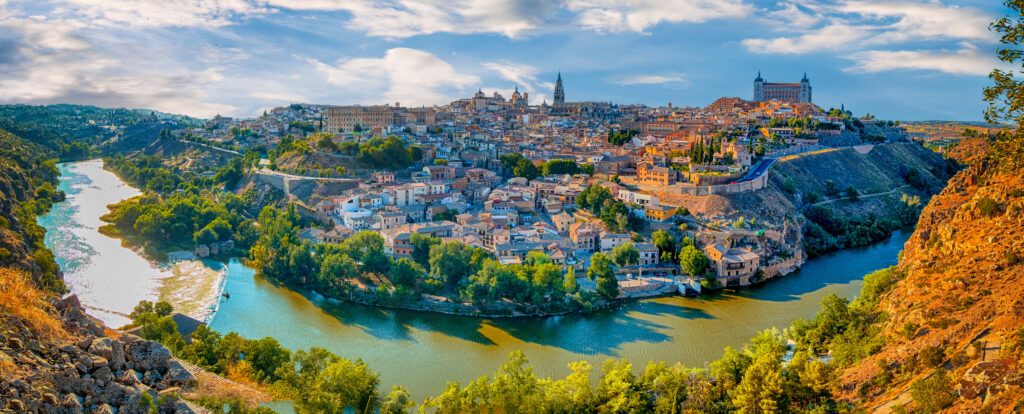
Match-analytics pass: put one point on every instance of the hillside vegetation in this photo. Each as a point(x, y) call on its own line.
point(27, 180)
point(954, 332)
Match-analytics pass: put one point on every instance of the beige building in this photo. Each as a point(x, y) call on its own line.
point(732, 266)
point(345, 118)
point(585, 236)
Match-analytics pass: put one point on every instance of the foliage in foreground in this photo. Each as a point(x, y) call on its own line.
point(756, 379)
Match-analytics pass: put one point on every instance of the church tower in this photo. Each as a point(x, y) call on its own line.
point(559, 92)
point(759, 88)
point(805, 90)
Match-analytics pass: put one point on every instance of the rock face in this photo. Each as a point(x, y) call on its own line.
point(88, 372)
point(149, 356)
point(957, 292)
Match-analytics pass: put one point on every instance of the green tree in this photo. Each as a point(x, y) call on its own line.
point(398, 401)
point(762, 389)
point(601, 271)
point(325, 142)
point(666, 245)
point(692, 260)
point(405, 272)
point(525, 168)
point(625, 255)
point(451, 262)
point(342, 384)
point(421, 244)
point(569, 283)
point(1004, 97)
point(265, 356)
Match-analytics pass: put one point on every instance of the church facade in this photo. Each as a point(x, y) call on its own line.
point(783, 92)
point(560, 107)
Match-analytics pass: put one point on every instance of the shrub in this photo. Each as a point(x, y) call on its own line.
point(909, 330)
point(789, 186)
point(934, 393)
point(1012, 259)
point(812, 197)
point(932, 356)
point(987, 206)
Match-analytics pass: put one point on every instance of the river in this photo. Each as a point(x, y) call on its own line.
point(423, 350)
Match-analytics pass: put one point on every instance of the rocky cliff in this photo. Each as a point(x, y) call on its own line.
point(56, 359)
point(953, 337)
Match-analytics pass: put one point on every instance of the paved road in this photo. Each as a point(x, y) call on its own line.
point(304, 177)
point(759, 169)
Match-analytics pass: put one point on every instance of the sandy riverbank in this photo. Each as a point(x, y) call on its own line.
point(194, 287)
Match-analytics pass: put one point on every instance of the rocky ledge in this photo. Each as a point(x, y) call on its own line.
point(88, 370)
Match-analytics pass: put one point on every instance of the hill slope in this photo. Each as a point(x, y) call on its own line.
point(955, 318)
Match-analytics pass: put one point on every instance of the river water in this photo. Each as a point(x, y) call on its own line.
point(423, 350)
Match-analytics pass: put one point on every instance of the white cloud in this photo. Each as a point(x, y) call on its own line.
point(158, 13)
point(279, 98)
point(856, 24)
point(405, 18)
point(525, 76)
point(409, 76)
point(51, 62)
point(675, 78)
point(922, 21)
point(969, 60)
point(638, 15)
point(833, 36)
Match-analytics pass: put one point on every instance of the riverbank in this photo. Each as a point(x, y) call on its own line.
point(109, 276)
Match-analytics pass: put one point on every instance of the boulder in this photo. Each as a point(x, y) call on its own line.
point(101, 347)
point(104, 409)
point(148, 356)
point(178, 376)
point(15, 405)
point(989, 377)
point(129, 377)
point(71, 404)
point(103, 375)
point(117, 358)
point(92, 361)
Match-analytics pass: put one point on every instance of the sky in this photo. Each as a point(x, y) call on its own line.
point(905, 60)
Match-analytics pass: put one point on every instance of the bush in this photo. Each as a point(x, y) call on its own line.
point(987, 206)
point(934, 393)
point(932, 356)
point(812, 197)
point(789, 186)
point(1012, 258)
point(909, 330)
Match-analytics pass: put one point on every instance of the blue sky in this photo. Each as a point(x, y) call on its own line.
point(908, 60)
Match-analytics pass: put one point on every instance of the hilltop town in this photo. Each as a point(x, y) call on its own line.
point(652, 188)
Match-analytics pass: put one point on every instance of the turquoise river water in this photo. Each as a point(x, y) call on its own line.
point(423, 350)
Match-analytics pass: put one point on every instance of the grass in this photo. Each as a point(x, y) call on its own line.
point(22, 300)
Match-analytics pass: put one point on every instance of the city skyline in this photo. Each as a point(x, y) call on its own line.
point(910, 61)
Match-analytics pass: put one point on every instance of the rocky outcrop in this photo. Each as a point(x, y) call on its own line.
point(87, 371)
point(957, 301)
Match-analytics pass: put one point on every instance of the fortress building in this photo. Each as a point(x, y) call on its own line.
point(784, 92)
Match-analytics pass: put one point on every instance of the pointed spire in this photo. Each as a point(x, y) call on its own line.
point(559, 75)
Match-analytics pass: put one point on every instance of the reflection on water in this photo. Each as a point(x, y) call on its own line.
point(107, 277)
point(423, 350)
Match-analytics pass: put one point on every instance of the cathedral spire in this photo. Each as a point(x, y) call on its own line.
point(559, 90)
